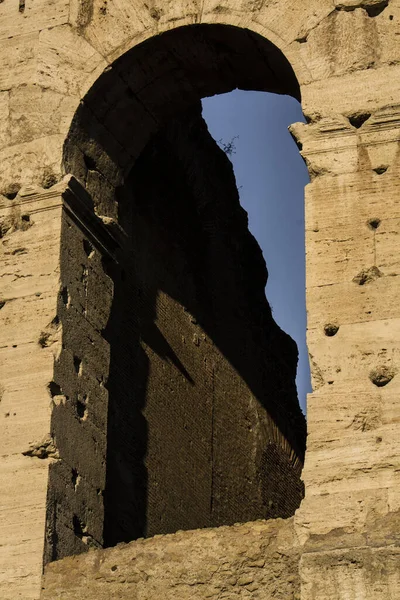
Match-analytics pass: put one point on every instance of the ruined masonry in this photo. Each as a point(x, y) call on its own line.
point(151, 441)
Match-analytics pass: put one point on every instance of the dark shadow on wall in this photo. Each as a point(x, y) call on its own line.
point(204, 426)
point(154, 82)
point(202, 396)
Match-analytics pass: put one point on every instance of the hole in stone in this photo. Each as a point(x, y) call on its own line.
point(65, 296)
point(80, 409)
point(367, 276)
point(302, 40)
point(381, 376)
point(54, 389)
point(49, 179)
point(391, 17)
point(331, 329)
point(78, 527)
point(374, 223)
point(88, 248)
point(2, 304)
point(90, 163)
point(358, 121)
point(26, 218)
point(155, 14)
point(75, 477)
point(77, 365)
point(381, 170)
point(4, 228)
point(376, 9)
point(378, 440)
point(11, 191)
point(43, 339)
point(114, 568)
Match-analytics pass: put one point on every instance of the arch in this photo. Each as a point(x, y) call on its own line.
point(144, 114)
point(216, 63)
point(282, 26)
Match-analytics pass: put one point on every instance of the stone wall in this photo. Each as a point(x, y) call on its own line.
point(255, 560)
point(74, 507)
point(345, 56)
point(261, 560)
point(30, 226)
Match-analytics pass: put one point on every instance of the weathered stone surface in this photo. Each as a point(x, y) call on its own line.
point(255, 560)
point(29, 280)
point(345, 55)
point(18, 59)
point(20, 18)
point(66, 61)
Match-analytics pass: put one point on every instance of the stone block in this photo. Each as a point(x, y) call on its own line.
point(18, 60)
point(257, 559)
point(25, 18)
point(367, 573)
point(66, 61)
point(352, 357)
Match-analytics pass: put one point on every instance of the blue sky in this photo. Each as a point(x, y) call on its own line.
point(271, 176)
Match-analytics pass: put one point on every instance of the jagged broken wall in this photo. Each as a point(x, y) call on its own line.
point(253, 560)
point(345, 55)
point(174, 390)
point(202, 383)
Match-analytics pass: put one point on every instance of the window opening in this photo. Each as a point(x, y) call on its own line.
point(252, 127)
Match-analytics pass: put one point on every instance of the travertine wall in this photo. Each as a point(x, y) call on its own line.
point(254, 560)
point(345, 55)
point(30, 234)
point(262, 560)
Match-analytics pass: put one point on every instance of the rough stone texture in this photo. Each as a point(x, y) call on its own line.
point(79, 418)
point(361, 562)
point(30, 337)
point(345, 55)
point(255, 560)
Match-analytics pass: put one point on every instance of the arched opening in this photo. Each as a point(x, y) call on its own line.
point(203, 426)
point(254, 129)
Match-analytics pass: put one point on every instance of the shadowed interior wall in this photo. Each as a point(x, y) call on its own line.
point(190, 417)
point(204, 426)
point(153, 83)
point(52, 53)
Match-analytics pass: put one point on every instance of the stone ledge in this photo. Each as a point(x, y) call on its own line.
point(258, 560)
